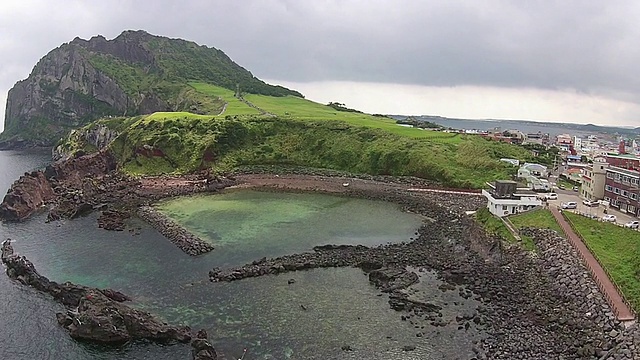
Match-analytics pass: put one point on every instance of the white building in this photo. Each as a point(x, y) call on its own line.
point(577, 143)
point(504, 198)
point(530, 169)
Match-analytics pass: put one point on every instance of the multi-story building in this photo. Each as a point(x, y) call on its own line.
point(593, 181)
point(621, 189)
point(626, 161)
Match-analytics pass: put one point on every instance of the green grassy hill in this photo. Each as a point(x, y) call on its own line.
point(297, 132)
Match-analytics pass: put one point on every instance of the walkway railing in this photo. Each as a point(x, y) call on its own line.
point(609, 288)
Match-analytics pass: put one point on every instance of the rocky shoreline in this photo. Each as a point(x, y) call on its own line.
point(534, 306)
point(96, 315)
point(176, 233)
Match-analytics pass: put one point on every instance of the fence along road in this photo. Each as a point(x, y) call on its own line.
point(619, 306)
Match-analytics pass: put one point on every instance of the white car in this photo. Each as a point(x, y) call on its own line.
point(609, 218)
point(591, 202)
point(570, 205)
point(552, 196)
point(632, 224)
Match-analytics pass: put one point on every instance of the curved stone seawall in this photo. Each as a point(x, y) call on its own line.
point(176, 233)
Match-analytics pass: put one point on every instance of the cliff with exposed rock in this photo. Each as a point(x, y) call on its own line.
point(134, 73)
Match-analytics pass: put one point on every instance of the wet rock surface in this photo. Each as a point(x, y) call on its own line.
point(533, 306)
point(176, 233)
point(26, 196)
point(113, 220)
point(202, 348)
point(95, 315)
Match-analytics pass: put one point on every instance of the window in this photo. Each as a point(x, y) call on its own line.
point(606, 198)
point(609, 175)
point(631, 209)
point(633, 196)
point(625, 179)
point(504, 207)
point(616, 190)
point(623, 193)
point(608, 188)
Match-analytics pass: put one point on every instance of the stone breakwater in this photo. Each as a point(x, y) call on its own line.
point(533, 306)
point(95, 315)
point(574, 283)
point(176, 233)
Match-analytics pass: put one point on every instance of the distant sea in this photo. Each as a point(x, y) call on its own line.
point(525, 127)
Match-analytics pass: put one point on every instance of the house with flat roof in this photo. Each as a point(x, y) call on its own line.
point(505, 198)
point(531, 169)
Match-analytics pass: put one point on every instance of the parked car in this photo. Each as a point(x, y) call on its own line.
point(632, 224)
point(609, 218)
point(576, 188)
point(591, 202)
point(552, 196)
point(570, 205)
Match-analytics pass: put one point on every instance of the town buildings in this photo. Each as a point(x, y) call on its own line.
point(505, 198)
point(593, 180)
point(621, 189)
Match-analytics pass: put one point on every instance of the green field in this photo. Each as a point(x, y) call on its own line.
point(540, 219)
point(234, 106)
point(617, 249)
point(302, 109)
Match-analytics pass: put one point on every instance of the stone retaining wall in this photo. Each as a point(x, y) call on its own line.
point(176, 233)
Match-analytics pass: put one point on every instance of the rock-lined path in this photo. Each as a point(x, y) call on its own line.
point(619, 306)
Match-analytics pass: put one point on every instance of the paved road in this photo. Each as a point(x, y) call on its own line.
point(567, 195)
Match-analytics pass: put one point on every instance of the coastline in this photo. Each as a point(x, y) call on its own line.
point(540, 299)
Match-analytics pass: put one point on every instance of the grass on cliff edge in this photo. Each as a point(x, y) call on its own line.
point(263, 140)
point(293, 107)
point(493, 225)
point(618, 250)
point(539, 219)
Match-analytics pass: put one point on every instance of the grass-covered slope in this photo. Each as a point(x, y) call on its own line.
point(617, 249)
point(184, 142)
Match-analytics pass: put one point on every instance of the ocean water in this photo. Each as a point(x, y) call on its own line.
point(263, 315)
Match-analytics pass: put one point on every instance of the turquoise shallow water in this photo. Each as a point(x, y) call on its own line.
point(244, 222)
point(262, 314)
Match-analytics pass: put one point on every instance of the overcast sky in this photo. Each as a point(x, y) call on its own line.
point(569, 61)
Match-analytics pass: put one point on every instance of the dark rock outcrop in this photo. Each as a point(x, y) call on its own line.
point(202, 348)
point(26, 196)
point(93, 314)
point(176, 233)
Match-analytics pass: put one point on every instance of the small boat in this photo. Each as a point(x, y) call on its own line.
point(345, 184)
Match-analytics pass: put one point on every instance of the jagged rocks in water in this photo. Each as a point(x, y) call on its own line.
point(94, 315)
point(112, 220)
point(26, 195)
point(202, 348)
point(390, 279)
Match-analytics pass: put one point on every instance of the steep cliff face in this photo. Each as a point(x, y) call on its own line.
point(63, 91)
point(135, 73)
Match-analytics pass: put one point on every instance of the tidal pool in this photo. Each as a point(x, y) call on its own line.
point(245, 222)
point(263, 315)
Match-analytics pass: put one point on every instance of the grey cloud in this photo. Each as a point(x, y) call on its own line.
point(588, 46)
